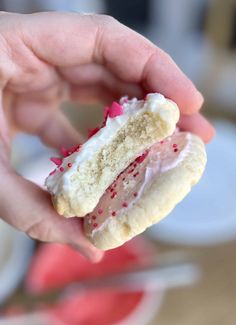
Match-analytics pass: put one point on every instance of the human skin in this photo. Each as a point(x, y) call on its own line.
point(46, 58)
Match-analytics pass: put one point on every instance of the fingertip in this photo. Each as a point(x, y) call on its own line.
point(93, 255)
point(96, 256)
point(208, 130)
point(210, 134)
point(198, 125)
point(187, 97)
point(89, 251)
point(200, 98)
point(163, 75)
point(194, 102)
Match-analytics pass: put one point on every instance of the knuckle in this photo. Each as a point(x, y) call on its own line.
point(104, 20)
point(39, 232)
point(108, 19)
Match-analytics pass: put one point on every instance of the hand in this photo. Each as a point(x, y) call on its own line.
point(48, 57)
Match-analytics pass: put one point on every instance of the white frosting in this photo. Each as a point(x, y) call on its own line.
point(61, 181)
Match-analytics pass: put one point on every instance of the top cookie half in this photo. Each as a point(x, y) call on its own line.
point(129, 128)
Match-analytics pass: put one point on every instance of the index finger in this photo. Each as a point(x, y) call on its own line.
point(69, 39)
point(31, 211)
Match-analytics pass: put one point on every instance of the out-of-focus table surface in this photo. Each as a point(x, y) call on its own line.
point(212, 301)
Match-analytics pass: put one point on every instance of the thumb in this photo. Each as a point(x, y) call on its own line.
point(4, 132)
point(28, 208)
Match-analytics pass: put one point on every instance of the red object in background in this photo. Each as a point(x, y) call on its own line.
point(56, 265)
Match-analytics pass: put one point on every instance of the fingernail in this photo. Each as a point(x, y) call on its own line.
point(210, 134)
point(94, 255)
point(97, 256)
point(201, 98)
point(91, 253)
point(196, 100)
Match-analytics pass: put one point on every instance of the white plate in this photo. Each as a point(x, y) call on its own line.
point(15, 252)
point(208, 214)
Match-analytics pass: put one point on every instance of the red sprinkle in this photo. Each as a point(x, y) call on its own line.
point(64, 152)
point(131, 171)
point(125, 205)
point(136, 174)
point(174, 145)
point(95, 225)
point(135, 165)
point(56, 161)
point(135, 194)
point(161, 142)
point(94, 217)
point(100, 211)
point(53, 172)
point(141, 158)
point(113, 195)
point(92, 132)
point(115, 110)
point(69, 165)
point(106, 112)
point(175, 150)
point(123, 179)
point(61, 169)
point(112, 189)
point(113, 214)
point(75, 148)
point(68, 152)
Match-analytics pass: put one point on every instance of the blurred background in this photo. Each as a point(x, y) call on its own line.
point(201, 37)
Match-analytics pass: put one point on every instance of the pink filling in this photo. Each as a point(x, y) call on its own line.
point(129, 186)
